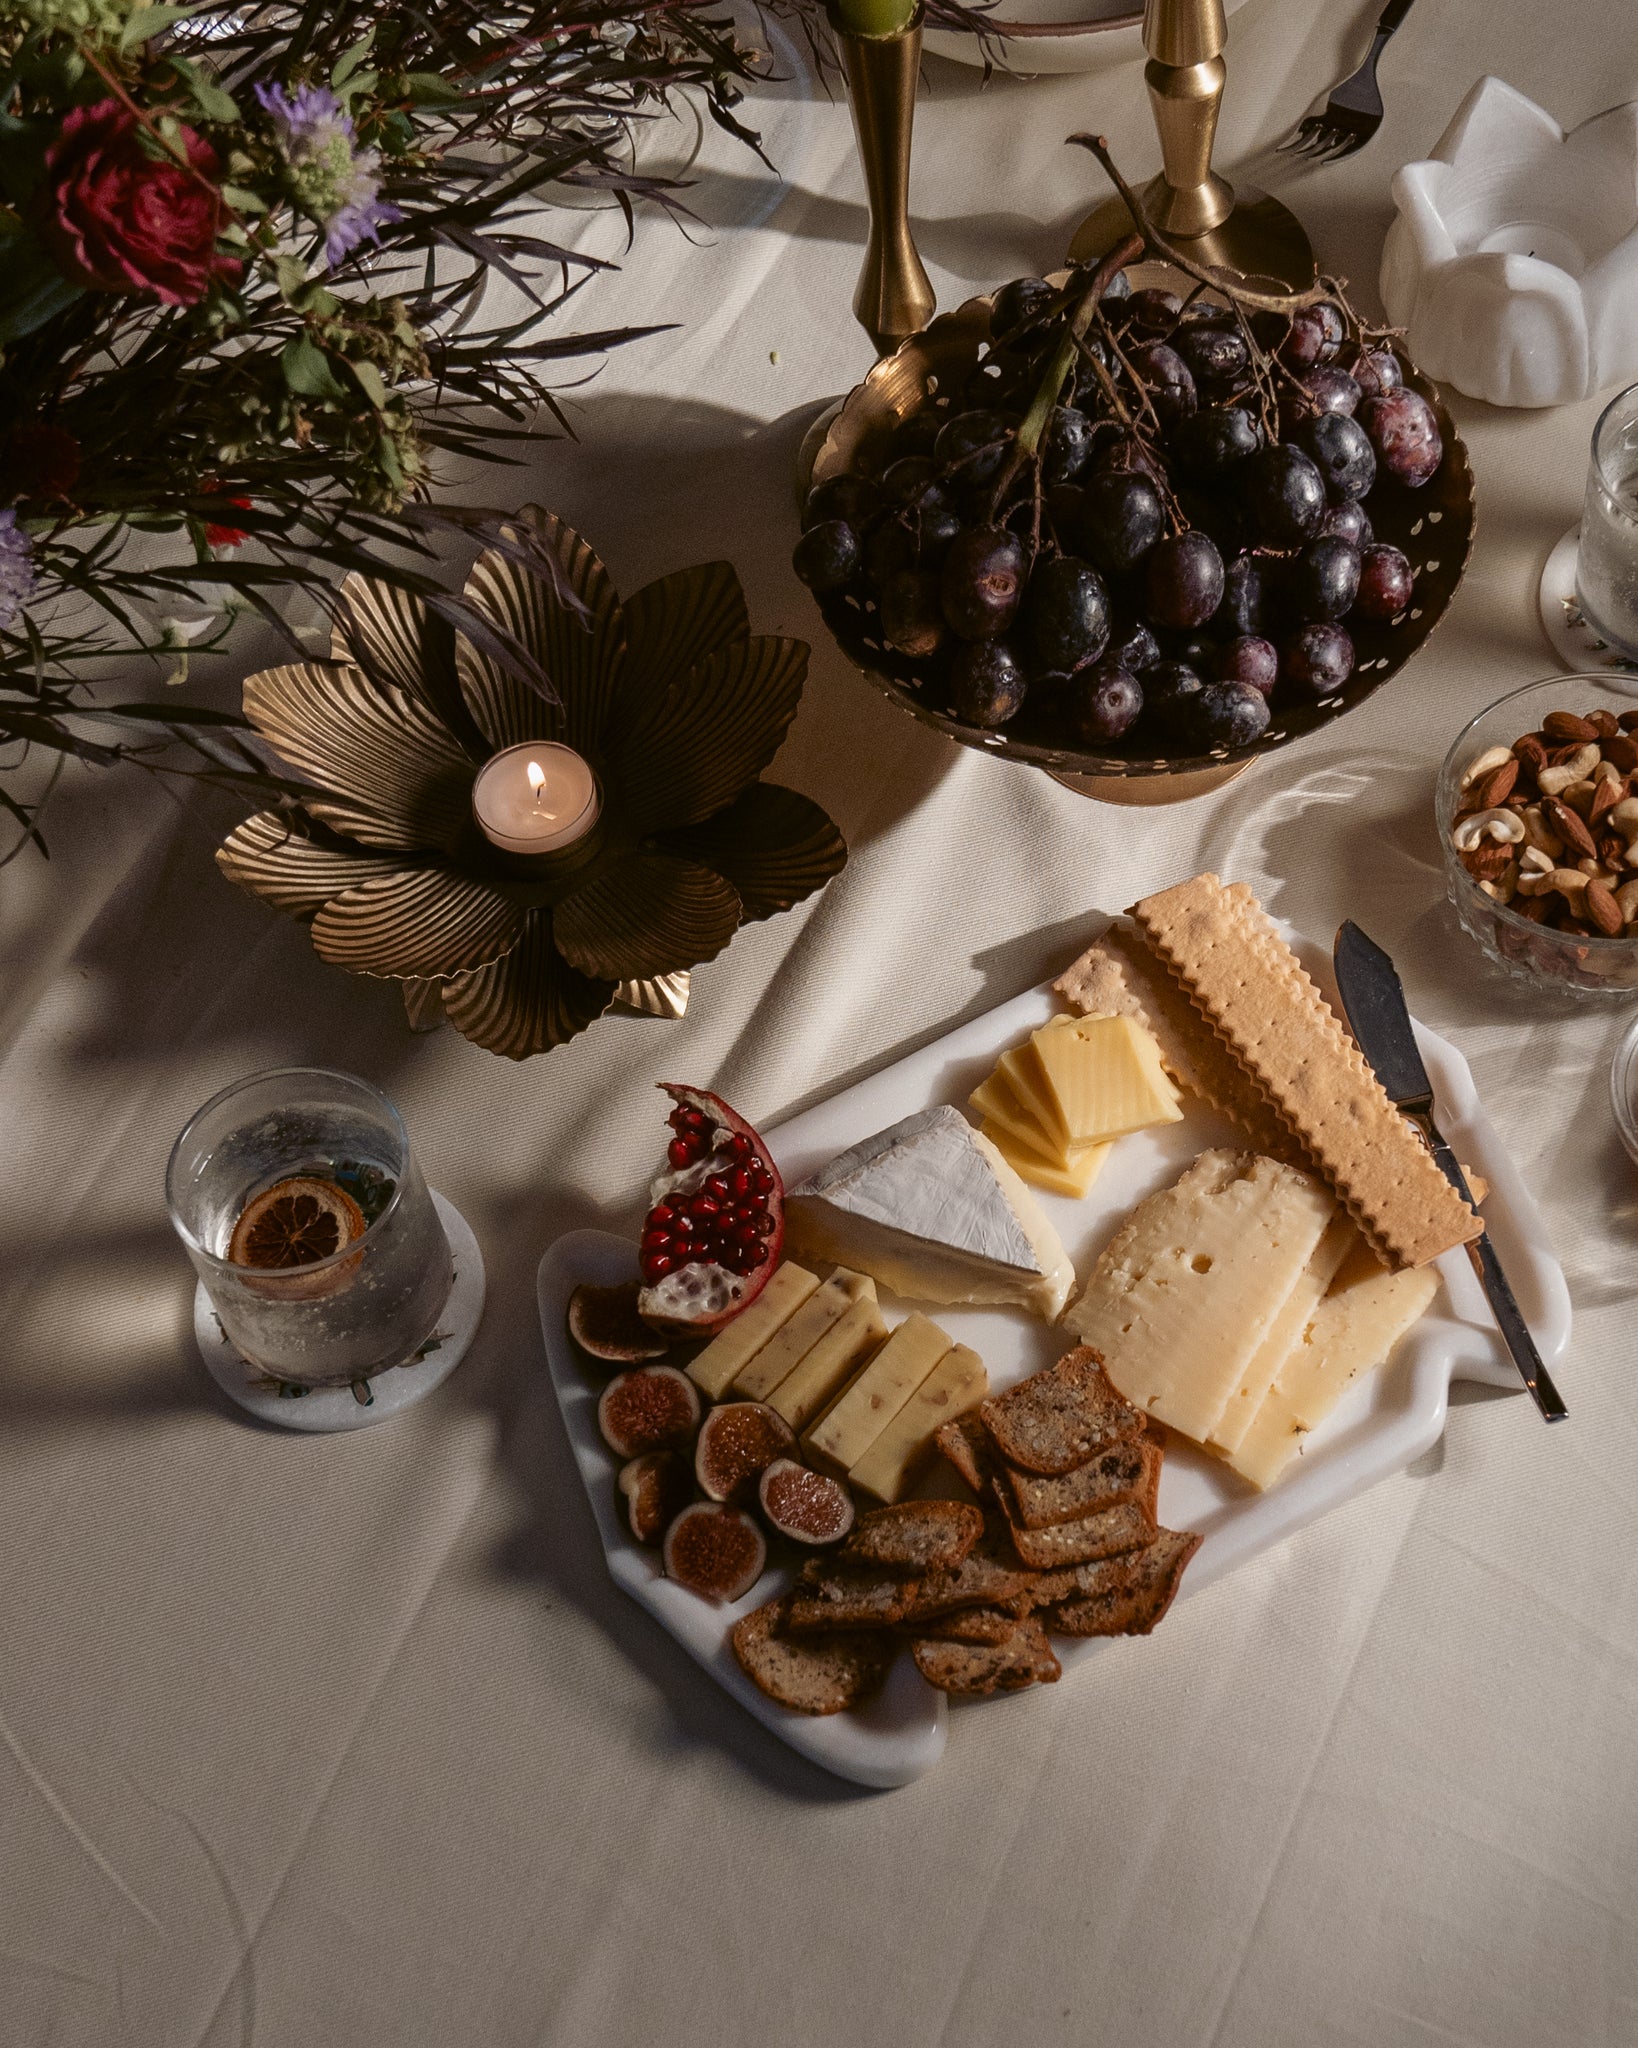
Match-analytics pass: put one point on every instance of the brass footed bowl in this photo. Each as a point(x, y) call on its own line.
point(1433, 526)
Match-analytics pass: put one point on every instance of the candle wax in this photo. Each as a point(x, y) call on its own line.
point(874, 17)
point(536, 798)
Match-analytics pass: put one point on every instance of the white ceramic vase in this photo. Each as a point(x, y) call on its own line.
point(1513, 261)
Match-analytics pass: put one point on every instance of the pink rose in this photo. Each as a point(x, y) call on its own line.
point(125, 221)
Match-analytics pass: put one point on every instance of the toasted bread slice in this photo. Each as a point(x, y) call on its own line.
point(1124, 1472)
point(970, 1625)
point(1110, 1533)
point(836, 1598)
point(966, 1444)
point(914, 1537)
point(975, 1670)
point(1125, 1596)
point(990, 1575)
point(812, 1674)
point(1061, 1416)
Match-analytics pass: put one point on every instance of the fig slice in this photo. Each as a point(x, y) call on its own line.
point(807, 1506)
point(656, 1488)
point(715, 1551)
point(653, 1408)
point(736, 1442)
point(716, 1224)
point(604, 1322)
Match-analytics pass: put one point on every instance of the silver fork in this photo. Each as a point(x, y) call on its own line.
point(1353, 113)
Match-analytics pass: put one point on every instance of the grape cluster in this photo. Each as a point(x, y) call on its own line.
point(1140, 538)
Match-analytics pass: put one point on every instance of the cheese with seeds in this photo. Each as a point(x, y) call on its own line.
point(895, 1460)
point(1354, 1329)
point(1105, 1078)
point(830, 1364)
point(854, 1420)
point(1241, 1407)
point(790, 1344)
point(727, 1354)
point(1183, 1295)
point(932, 1210)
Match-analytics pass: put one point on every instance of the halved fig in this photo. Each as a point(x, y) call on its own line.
point(604, 1322)
point(716, 1225)
point(656, 1487)
point(715, 1551)
point(807, 1506)
point(652, 1409)
point(736, 1442)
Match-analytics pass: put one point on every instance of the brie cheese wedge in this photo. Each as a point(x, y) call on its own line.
point(932, 1210)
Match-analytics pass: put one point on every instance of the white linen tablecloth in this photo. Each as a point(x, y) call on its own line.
point(308, 1742)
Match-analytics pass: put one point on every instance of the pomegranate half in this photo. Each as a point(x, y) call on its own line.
point(716, 1226)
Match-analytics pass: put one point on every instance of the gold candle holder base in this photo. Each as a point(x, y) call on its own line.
point(1258, 238)
point(894, 298)
point(1146, 792)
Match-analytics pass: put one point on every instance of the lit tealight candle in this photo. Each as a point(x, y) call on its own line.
point(537, 798)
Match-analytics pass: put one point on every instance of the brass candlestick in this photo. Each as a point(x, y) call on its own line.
point(1250, 233)
point(894, 298)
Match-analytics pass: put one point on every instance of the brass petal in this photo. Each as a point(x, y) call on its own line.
point(417, 923)
point(679, 757)
point(423, 1004)
point(666, 995)
point(675, 623)
point(395, 640)
point(581, 654)
point(773, 844)
point(529, 1001)
point(401, 779)
point(645, 913)
point(274, 857)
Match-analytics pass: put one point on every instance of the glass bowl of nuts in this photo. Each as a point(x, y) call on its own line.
point(1538, 820)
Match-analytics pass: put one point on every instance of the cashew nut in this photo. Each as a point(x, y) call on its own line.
point(1581, 764)
point(1579, 797)
point(1627, 897)
point(1487, 764)
point(1623, 818)
point(1565, 880)
point(1535, 861)
point(1506, 828)
point(1608, 772)
point(1539, 833)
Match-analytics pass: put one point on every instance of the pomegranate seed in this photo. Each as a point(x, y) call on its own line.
point(707, 1205)
point(739, 1181)
point(656, 1265)
point(662, 1212)
point(717, 1185)
point(679, 1152)
point(694, 1118)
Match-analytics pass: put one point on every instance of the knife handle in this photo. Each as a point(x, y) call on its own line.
point(1509, 1317)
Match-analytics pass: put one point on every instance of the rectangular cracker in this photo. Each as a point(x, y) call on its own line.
point(1124, 1472)
point(1251, 988)
point(1110, 1533)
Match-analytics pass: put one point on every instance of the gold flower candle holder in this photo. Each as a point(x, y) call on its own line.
point(524, 927)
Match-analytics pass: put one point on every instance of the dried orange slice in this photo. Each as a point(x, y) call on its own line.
point(295, 1222)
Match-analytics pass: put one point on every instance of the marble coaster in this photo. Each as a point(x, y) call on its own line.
point(399, 1387)
point(1572, 639)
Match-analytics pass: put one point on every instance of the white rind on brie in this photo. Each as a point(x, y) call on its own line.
point(933, 1211)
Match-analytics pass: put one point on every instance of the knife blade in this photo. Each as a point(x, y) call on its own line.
point(1374, 1000)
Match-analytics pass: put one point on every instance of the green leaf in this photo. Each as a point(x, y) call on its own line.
point(292, 275)
point(243, 201)
point(429, 89)
point(208, 96)
point(144, 23)
point(350, 59)
point(391, 468)
point(307, 369)
point(33, 299)
point(371, 383)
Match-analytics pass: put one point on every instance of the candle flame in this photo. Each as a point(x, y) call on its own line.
point(537, 776)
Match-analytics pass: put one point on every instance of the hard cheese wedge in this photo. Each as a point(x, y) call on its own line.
point(934, 1212)
point(832, 1362)
point(1354, 1329)
point(1073, 1177)
point(894, 1461)
point(1184, 1293)
point(793, 1340)
point(848, 1428)
point(1242, 1405)
point(732, 1349)
point(1105, 1078)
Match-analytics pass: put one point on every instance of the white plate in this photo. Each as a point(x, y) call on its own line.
point(1381, 1425)
point(1063, 35)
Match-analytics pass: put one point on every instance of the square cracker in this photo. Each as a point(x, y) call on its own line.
point(1252, 989)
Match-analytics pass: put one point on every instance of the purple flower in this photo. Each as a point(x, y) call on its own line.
point(16, 568)
point(329, 177)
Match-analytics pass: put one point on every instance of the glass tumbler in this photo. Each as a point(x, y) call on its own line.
point(1606, 568)
point(300, 1159)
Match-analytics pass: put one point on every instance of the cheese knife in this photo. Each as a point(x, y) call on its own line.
point(1374, 1001)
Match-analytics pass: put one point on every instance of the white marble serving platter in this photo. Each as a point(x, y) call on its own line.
point(1382, 1425)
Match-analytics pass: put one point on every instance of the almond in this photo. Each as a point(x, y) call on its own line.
point(1622, 752)
point(1530, 749)
point(1486, 862)
point(1628, 720)
point(1532, 907)
point(1603, 723)
point(1605, 796)
point(1612, 850)
point(1562, 821)
point(1568, 725)
point(1602, 910)
point(1498, 786)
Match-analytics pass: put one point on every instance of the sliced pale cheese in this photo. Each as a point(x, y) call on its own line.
point(727, 1354)
point(1354, 1329)
point(1073, 1177)
point(997, 1103)
point(1238, 1411)
point(854, 1420)
point(1105, 1078)
point(1021, 1070)
point(934, 1212)
point(791, 1343)
point(1183, 1294)
point(895, 1460)
point(831, 1363)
